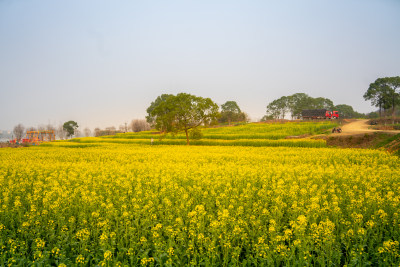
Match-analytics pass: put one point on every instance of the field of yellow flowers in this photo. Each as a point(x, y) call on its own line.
point(251, 134)
point(130, 205)
point(249, 131)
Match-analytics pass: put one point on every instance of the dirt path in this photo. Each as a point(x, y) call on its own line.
point(360, 127)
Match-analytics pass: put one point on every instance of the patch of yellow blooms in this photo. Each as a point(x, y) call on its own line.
point(116, 205)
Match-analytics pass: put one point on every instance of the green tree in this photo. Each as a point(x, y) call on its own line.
point(298, 102)
point(373, 115)
point(182, 112)
point(70, 127)
point(321, 103)
point(266, 118)
point(243, 116)
point(159, 100)
point(230, 111)
point(383, 93)
point(347, 112)
point(394, 84)
point(277, 109)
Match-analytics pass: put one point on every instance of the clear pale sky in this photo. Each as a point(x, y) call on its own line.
point(101, 63)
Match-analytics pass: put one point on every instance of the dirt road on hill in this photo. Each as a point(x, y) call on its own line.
point(360, 127)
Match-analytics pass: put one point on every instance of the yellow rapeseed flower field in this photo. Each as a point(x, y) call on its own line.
point(130, 205)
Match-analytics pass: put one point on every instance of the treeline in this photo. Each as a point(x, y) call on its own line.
point(292, 106)
point(184, 112)
point(136, 125)
point(71, 129)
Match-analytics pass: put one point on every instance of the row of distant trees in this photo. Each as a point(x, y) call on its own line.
point(185, 113)
point(136, 125)
point(384, 94)
point(71, 128)
point(293, 105)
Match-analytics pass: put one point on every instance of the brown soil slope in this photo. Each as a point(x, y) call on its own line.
point(360, 127)
point(357, 134)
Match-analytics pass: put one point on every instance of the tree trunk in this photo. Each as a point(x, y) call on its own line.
point(187, 137)
point(393, 109)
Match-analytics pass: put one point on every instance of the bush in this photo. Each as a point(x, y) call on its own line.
point(195, 134)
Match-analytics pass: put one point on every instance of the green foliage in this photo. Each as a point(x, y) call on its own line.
point(373, 115)
point(278, 108)
point(383, 93)
point(230, 112)
point(182, 113)
point(266, 118)
point(195, 134)
point(159, 100)
point(70, 127)
point(388, 140)
point(294, 105)
point(230, 106)
point(347, 112)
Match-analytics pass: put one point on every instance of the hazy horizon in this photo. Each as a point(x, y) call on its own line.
point(102, 63)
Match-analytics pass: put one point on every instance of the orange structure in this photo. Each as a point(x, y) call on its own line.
point(36, 137)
